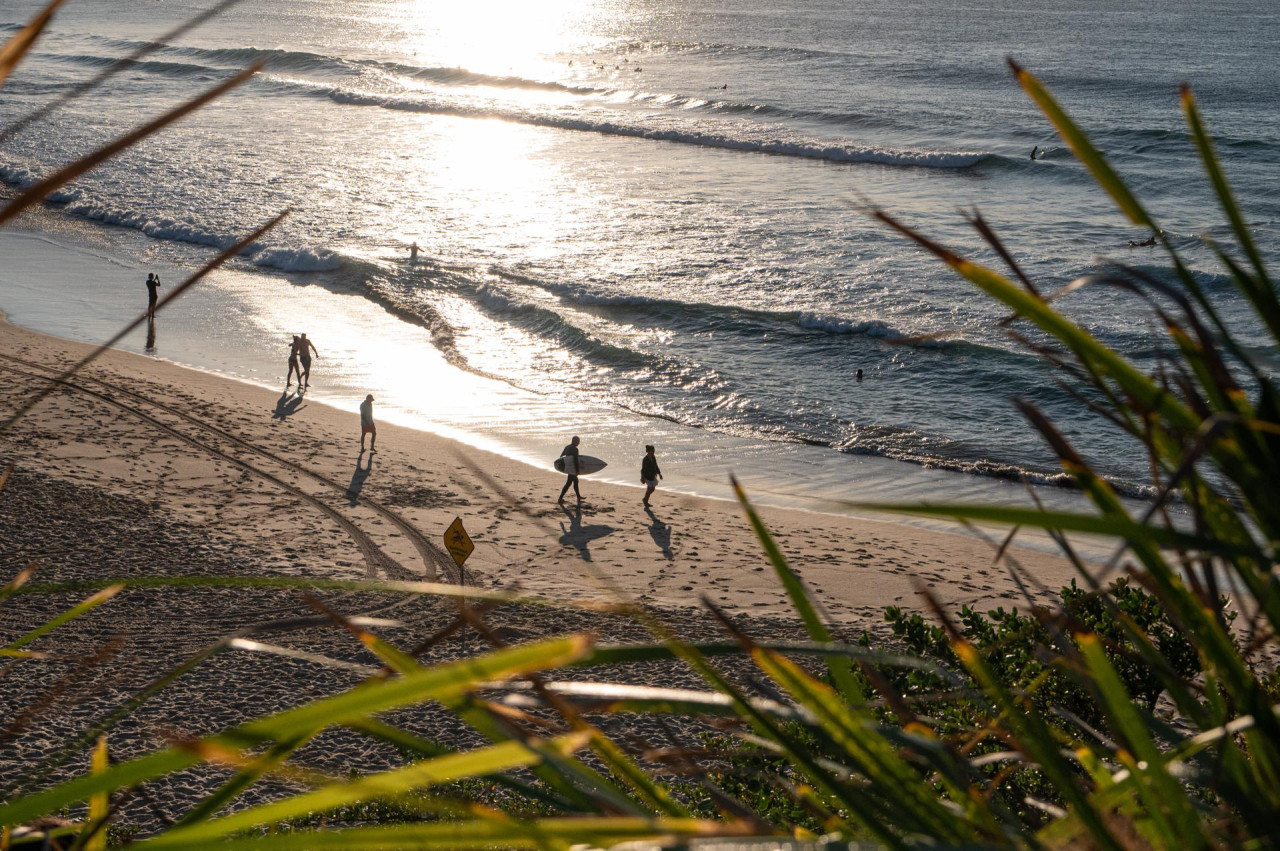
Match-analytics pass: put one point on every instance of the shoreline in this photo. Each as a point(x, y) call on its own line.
point(230, 326)
point(142, 468)
point(668, 555)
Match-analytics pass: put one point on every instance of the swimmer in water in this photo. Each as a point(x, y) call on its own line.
point(1035, 151)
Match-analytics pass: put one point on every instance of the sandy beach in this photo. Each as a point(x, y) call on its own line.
point(141, 468)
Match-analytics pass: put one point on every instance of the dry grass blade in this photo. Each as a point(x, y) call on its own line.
point(125, 62)
point(38, 192)
point(120, 335)
point(16, 48)
point(984, 230)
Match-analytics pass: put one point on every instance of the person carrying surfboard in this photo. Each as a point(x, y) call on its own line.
point(571, 469)
point(649, 473)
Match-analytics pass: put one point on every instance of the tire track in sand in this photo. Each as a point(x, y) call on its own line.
point(374, 557)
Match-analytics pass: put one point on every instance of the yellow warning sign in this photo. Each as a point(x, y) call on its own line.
point(458, 542)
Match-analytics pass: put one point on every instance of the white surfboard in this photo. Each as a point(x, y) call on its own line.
point(587, 464)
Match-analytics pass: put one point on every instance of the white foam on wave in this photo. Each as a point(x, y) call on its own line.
point(874, 328)
point(803, 149)
point(299, 259)
point(76, 202)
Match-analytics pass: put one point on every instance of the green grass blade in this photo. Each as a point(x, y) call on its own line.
point(1166, 801)
point(1066, 521)
point(1209, 159)
point(1034, 738)
point(479, 834)
point(416, 776)
point(909, 796)
point(274, 757)
point(1083, 148)
point(84, 607)
point(443, 683)
point(841, 670)
point(99, 804)
point(410, 743)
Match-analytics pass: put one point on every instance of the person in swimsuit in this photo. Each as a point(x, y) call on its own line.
point(293, 363)
point(305, 348)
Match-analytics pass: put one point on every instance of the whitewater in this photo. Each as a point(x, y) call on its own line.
point(657, 210)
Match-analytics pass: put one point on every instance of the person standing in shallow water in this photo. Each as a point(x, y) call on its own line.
point(571, 451)
point(649, 473)
point(367, 426)
point(153, 284)
point(305, 348)
point(293, 364)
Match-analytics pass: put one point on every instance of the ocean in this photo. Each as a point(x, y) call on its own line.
point(649, 217)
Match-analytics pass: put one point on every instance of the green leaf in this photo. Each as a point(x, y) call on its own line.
point(1166, 801)
point(416, 776)
point(478, 834)
point(442, 683)
point(84, 607)
point(841, 670)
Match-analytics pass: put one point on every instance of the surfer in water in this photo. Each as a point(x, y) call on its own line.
point(305, 348)
point(649, 473)
point(1146, 243)
point(571, 451)
point(293, 364)
point(1035, 151)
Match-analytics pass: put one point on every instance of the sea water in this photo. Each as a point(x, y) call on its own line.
point(649, 217)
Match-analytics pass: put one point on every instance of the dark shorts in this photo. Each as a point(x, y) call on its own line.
point(367, 429)
point(306, 363)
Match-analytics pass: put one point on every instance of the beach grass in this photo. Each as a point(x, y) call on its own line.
point(1140, 713)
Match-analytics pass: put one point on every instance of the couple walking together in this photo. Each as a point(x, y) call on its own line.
point(300, 360)
point(649, 471)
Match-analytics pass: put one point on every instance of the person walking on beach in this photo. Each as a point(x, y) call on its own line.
point(153, 284)
point(366, 425)
point(649, 473)
point(305, 348)
point(293, 364)
point(571, 469)
point(413, 252)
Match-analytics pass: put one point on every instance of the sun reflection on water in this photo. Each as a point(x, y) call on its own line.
point(499, 36)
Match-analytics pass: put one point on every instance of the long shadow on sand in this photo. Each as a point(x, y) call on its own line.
point(358, 477)
point(579, 536)
point(287, 405)
point(661, 534)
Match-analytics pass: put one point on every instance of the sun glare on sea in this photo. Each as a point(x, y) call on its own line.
point(498, 36)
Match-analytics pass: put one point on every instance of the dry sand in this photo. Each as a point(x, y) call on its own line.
point(145, 468)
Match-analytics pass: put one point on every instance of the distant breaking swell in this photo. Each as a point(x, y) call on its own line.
point(175, 61)
point(802, 149)
point(76, 203)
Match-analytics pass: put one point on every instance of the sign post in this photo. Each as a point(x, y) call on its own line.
point(458, 542)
